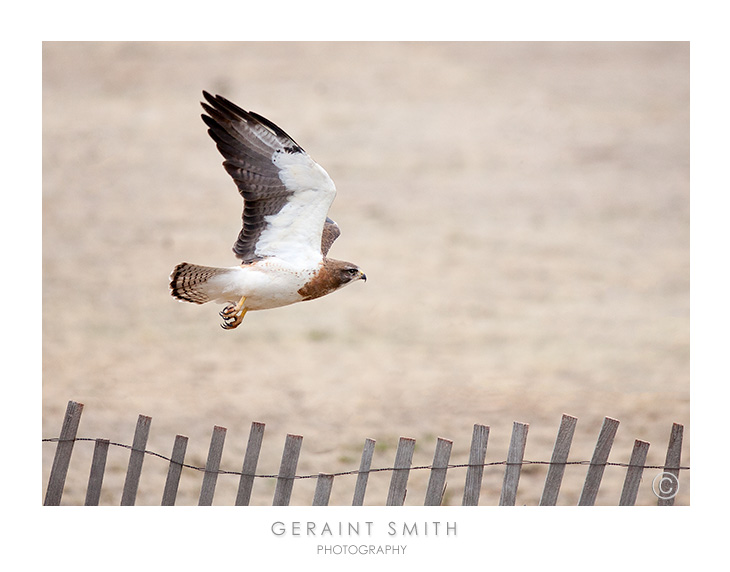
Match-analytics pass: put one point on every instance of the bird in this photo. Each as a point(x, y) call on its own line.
point(286, 233)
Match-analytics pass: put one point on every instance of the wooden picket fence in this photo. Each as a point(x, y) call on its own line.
point(667, 486)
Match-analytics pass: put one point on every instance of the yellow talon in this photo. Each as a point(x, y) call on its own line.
point(233, 315)
point(238, 307)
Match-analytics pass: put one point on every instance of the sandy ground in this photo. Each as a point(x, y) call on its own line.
point(521, 211)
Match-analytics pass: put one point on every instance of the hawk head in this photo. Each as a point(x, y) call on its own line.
point(333, 275)
point(349, 273)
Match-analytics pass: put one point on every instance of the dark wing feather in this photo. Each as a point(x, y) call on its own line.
point(248, 142)
point(330, 232)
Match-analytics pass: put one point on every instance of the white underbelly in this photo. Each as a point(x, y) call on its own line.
point(265, 285)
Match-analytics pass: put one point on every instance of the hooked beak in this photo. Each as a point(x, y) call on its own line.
point(362, 276)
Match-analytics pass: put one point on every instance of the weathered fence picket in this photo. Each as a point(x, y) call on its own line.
point(598, 462)
point(323, 490)
point(515, 456)
point(250, 462)
point(175, 470)
point(287, 470)
point(212, 465)
point(554, 477)
point(64, 449)
point(402, 467)
point(633, 473)
point(437, 480)
point(136, 458)
point(361, 484)
point(672, 462)
point(96, 475)
point(475, 471)
point(665, 488)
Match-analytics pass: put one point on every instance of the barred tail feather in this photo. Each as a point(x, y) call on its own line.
point(188, 282)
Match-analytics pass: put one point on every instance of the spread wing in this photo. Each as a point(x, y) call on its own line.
point(286, 194)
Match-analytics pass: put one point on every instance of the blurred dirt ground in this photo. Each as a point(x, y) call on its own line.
point(521, 211)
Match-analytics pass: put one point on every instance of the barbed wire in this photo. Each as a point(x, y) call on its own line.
point(357, 471)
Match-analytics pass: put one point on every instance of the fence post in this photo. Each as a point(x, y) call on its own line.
point(96, 475)
point(437, 480)
point(598, 462)
point(64, 448)
point(250, 461)
point(362, 475)
point(477, 454)
point(323, 490)
point(287, 470)
point(401, 468)
point(513, 468)
point(136, 458)
point(671, 465)
point(554, 477)
point(633, 473)
point(212, 465)
point(175, 470)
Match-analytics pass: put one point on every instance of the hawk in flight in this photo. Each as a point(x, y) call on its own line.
point(286, 232)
